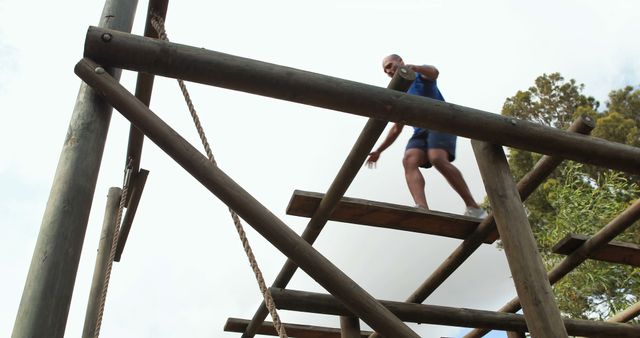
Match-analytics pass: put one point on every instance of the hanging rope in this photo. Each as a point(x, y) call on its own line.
point(112, 253)
point(158, 23)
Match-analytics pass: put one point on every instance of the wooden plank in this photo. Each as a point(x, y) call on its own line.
point(613, 252)
point(527, 269)
point(443, 315)
point(293, 330)
point(387, 215)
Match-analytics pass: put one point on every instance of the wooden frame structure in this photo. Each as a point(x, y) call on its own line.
point(109, 48)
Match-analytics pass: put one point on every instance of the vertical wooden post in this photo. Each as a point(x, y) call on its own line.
point(530, 277)
point(349, 327)
point(513, 334)
point(144, 86)
point(46, 298)
point(102, 259)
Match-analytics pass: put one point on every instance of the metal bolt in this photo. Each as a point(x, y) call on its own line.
point(99, 70)
point(106, 37)
point(513, 122)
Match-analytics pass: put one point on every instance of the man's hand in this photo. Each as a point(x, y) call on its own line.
point(373, 158)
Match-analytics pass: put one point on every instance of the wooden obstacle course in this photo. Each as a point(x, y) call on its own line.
point(109, 48)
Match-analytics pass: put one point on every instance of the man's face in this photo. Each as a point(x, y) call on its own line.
point(390, 65)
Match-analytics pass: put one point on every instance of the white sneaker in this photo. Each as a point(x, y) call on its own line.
point(475, 212)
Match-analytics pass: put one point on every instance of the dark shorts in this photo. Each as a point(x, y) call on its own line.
point(425, 139)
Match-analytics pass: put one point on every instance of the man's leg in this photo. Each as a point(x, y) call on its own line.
point(440, 160)
point(412, 160)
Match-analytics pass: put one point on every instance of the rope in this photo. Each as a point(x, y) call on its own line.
point(158, 23)
point(112, 253)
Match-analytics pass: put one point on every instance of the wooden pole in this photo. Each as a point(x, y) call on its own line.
point(443, 315)
point(349, 327)
point(247, 207)
point(132, 207)
point(513, 334)
point(144, 87)
point(401, 81)
point(228, 71)
point(46, 298)
point(102, 260)
point(619, 224)
point(528, 272)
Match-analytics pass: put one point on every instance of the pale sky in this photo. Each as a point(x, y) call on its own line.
point(183, 271)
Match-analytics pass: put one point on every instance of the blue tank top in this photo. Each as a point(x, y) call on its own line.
point(426, 88)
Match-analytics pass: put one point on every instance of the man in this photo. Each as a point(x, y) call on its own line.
point(426, 148)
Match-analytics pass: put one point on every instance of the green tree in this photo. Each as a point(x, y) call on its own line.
point(580, 198)
point(595, 290)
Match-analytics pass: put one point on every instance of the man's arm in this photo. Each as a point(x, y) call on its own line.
point(428, 72)
point(394, 132)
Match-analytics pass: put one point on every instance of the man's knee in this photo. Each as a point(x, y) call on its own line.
point(412, 160)
point(439, 159)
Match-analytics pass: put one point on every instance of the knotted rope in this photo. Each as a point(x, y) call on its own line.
point(158, 23)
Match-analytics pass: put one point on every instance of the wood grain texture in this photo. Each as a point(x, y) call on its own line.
point(387, 215)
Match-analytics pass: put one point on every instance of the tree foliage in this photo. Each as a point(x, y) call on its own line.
point(580, 198)
point(584, 205)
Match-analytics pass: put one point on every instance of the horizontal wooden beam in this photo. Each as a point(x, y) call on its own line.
point(443, 315)
point(613, 252)
point(293, 330)
point(227, 71)
point(387, 215)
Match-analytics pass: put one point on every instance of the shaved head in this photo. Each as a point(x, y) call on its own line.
point(390, 64)
point(390, 57)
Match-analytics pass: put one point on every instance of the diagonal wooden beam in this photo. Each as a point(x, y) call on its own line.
point(612, 252)
point(527, 269)
point(293, 330)
point(387, 215)
point(628, 314)
point(246, 206)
